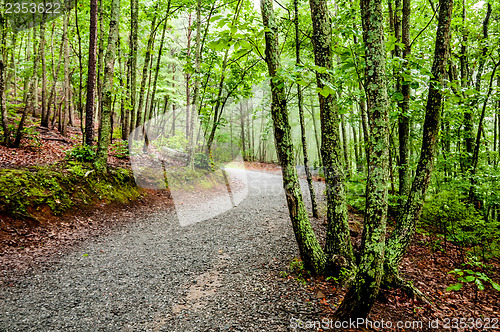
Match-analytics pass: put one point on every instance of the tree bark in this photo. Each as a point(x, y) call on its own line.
point(338, 245)
point(401, 237)
point(301, 115)
point(45, 114)
point(132, 64)
point(362, 294)
point(91, 73)
point(105, 127)
point(404, 116)
point(3, 103)
point(312, 255)
point(67, 91)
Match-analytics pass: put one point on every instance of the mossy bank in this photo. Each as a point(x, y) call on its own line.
point(39, 193)
point(52, 190)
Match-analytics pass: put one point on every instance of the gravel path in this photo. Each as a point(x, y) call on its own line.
point(221, 274)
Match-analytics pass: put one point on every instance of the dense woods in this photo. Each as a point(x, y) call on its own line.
point(396, 104)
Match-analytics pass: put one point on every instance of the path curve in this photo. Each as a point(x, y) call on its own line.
point(221, 274)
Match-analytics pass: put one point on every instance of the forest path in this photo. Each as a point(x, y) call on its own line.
point(221, 274)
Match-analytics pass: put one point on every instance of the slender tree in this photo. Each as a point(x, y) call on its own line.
point(309, 248)
point(91, 73)
point(338, 246)
point(401, 237)
point(363, 293)
point(106, 112)
point(301, 115)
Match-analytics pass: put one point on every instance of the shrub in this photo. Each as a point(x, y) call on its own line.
point(81, 153)
point(446, 214)
point(120, 149)
point(202, 161)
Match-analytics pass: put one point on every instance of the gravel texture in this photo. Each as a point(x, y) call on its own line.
point(221, 274)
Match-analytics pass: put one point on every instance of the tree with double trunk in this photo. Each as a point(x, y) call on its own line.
point(310, 250)
point(401, 237)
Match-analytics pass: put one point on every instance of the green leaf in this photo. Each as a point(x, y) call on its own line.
point(301, 82)
point(85, 255)
point(479, 284)
point(469, 278)
point(495, 286)
point(398, 96)
point(454, 287)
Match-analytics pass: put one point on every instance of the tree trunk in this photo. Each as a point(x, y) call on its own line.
point(67, 91)
point(158, 61)
point(404, 116)
point(100, 62)
point(3, 103)
point(45, 114)
point(312, 255)
point(338, 245)
point(301, 116)
point(105, 127)
point(363, 293)
point(134, 19)
point(345, 149)
point(147, 58)
point(80, 65)
point(91, 73)
point(242, 126)
point(401, 237)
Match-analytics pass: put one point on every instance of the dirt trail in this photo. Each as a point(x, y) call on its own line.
point(155, 275)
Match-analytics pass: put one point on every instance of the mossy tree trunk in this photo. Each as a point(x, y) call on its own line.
point(67, 86)
point(105, 128)
point(338, 246)
point(363, 292)
point(312, 255)
point(400, 239)
point(3, 57)
point(132, 62)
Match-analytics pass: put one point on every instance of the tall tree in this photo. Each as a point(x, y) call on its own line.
point(45, 113)
point(401, 237)
point(106, 112)
point(301, 115)
point(363, 293)
point(312, 255)
point(91, 73)
point(338, 246)
point(145, 71)
point(404, 116)
point(3, 57)
point(132, 62)
point(67, 88)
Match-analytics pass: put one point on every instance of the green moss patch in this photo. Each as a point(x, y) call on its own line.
point(61, 187)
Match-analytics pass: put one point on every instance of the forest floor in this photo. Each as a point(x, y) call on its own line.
point(132, 267)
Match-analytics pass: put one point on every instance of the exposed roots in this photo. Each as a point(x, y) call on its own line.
point(412, 291)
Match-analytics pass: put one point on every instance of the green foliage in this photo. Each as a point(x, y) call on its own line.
point(81, 153)
point(61, 187)
point(120, 149)
point(202, 161)
point(446, 214)
point(32, 136)
point(355, 191)
point(297, 267)
point(471, 276)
